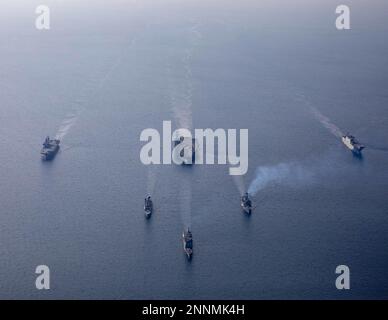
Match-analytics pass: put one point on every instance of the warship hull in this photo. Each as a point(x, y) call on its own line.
point(148, 213)
point(246, 204)
point(187, 153)
point(187, 244)
point(148, 208)
point(245, 209)
point(353, 145)
point(49, 150)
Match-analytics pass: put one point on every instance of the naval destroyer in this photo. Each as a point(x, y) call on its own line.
point(246, 204)
point(187, 238)
point(148, 207)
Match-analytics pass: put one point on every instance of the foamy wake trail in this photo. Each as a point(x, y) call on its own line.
point(181, 97)
point(239, 182)
point(98, 84)
point(196, 34)
point(181, 93)
point(151, 179)
point(181, 107)
point(114, 66)
point(185, 195)
point(325, 121)
point(283, 173)
point(66, 125)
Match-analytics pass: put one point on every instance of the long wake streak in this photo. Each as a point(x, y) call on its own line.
point(322, 119)
point(66, 125)
point(181, 95)
point(239, 182)
point(185, 201)
point(151, 179)
point(72, 118)
point(325, 121)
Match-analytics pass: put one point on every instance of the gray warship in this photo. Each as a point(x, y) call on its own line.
point(50, 149)
point(187, 238)
point(351, 143)
point(148, 207)
point(246, 203)
point(188, 146)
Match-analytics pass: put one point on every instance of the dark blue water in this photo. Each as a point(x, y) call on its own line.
point(102, 74)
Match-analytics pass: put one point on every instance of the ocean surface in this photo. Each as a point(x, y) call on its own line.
point(105, 72)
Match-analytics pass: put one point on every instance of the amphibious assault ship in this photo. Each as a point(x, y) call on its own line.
point(187, 238)
point(246, 204)
point(50, 148)
point(188, 147)
point(351, 143)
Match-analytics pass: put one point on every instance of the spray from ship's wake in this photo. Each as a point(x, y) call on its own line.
point(66, 125)
point(90, 93)
point(115, 65)
point(151, 179)
point(325, 121)
point(181, 94)
point(185, 196)
point(181, 107)
point(283, 173)
point(239, 182)
point(181, 97)
point(181, 89)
